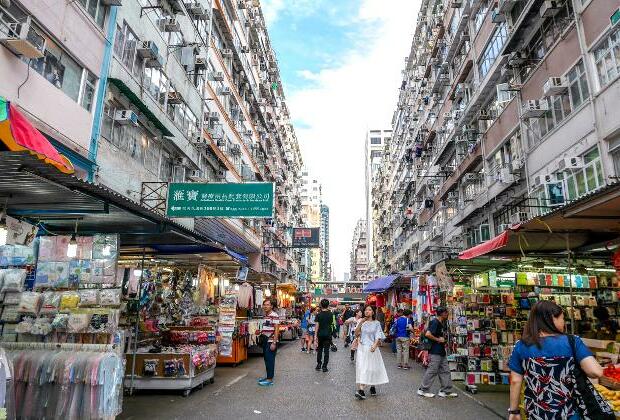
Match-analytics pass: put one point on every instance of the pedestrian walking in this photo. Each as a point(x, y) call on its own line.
point(304, 329)
point(369, 367)
point(323, 335)
point(402, 329)
point(311, 330)
point(547, 359)
point(347, 313)
point(438, 363)
point(351, 324)
point(268, 338)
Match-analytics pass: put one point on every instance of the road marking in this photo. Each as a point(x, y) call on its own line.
point(229, 384)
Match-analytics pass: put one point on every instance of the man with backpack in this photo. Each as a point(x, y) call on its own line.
point(323, 335)
point(438, 365)
point(401, 330)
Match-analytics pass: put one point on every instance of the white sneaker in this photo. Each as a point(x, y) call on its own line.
point(425, 394)
point(447, 394)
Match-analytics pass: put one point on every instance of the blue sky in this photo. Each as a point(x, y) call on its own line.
point(341, 63)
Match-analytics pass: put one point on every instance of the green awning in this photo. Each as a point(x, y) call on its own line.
point(135, 99)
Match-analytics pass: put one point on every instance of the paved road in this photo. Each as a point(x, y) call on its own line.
point(300, 393)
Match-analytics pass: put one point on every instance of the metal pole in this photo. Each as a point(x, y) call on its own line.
point(570, 279)
point(136, 327)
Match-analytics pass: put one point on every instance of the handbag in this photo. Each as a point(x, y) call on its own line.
point(333, 347)
point(589, 402)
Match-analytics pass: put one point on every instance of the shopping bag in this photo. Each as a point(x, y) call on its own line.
point(589, 402)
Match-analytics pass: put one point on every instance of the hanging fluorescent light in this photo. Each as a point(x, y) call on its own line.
point(72, 247)
point(226, 282)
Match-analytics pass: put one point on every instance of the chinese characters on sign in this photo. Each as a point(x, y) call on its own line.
point(247, 200)
point(306, 238)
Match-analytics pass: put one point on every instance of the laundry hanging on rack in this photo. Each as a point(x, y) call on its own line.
point(67, 385)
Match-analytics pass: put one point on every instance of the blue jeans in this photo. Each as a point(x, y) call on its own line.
point(270, 360)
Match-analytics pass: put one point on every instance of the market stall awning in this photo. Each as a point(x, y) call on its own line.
point(381, 284)
point(484, 248)
point(18, 135)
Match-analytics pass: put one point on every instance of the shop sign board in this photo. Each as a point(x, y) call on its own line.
point(230, 200)
point(615, 17)
point(306, 238)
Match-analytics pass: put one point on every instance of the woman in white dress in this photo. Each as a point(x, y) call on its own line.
point(369, 367)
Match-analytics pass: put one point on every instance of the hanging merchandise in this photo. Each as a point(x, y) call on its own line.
point(246, 296)
point(226, 323)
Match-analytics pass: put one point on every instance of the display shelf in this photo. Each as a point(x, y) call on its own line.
point(184, 383)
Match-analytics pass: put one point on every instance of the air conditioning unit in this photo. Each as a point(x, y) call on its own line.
point(453, 195)
point(456, 114)
point(497, 17)
point(196, 9)
point(235, 150)
point(112, 2)
point(574, 162)
point(126, 117)
point(217, 76)
point(174, 98)
point(154, 63)
point(505, 6)
point(549, 8)
point(195, 173)
point(169, 25)
point(147, 50)
point(245, 49)
point(175, 6)
point(506, 176)
point(534, 108)
point(200, 63)
point(241, 4)
point(212, 116)
point(470, 178)
point(262, 101)
point(484, 115)
point(555, 86)
point(227, 53)
point(456, 4)
point(23, 39)
point(460, 90)
point(516, 165)
point(519, 217)
point(517, 58)
point(216, 132)
point(224, 90)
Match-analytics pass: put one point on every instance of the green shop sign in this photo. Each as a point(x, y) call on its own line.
point(247, 200)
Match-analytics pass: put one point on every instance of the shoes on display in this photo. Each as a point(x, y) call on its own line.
point(447, 394)
point(373, 391)
point(406, 367)
point(318, 367)
point(265, 383)
point(325, 369)
point(425, 394)
point(360, 395)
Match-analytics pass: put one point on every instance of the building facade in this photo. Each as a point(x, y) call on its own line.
point(359, 254)
point(326, 271)
point(376, 142)
point(504, 113)
point(159, 91)
point(311, 199)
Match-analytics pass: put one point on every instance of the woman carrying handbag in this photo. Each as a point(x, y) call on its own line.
point(554, 367)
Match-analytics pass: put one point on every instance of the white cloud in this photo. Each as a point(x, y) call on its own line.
point(272, 9)
point(345, 101)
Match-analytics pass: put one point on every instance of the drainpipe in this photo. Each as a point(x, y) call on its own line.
point(103, 84)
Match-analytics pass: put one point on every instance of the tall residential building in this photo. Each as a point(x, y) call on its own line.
point(159, 91)
point(324, 236)
point(503, 115)
point(311, 199)
point(376, 141)
point(359, 253)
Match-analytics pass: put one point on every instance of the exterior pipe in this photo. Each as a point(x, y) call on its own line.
point(103, 84)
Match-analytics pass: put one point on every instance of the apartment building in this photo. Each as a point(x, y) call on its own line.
point(359, 254)
point(326, 273)
point(376, 141)
point(147, 92)
point(505, 112)
point(312, 217)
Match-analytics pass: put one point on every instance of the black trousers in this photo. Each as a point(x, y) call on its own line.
point(323, 348)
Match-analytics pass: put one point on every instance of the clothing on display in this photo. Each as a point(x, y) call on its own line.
point(245, 296)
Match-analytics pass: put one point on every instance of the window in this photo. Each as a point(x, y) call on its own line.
point(96, 9)
point(607, 57)
point(492, 50)
point(88, 93)
point(577, 85)
point(587, 179)
point(375, 140)
point(480, 15)
point(539, 127)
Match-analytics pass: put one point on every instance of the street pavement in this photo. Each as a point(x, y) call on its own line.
point(300, 393)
